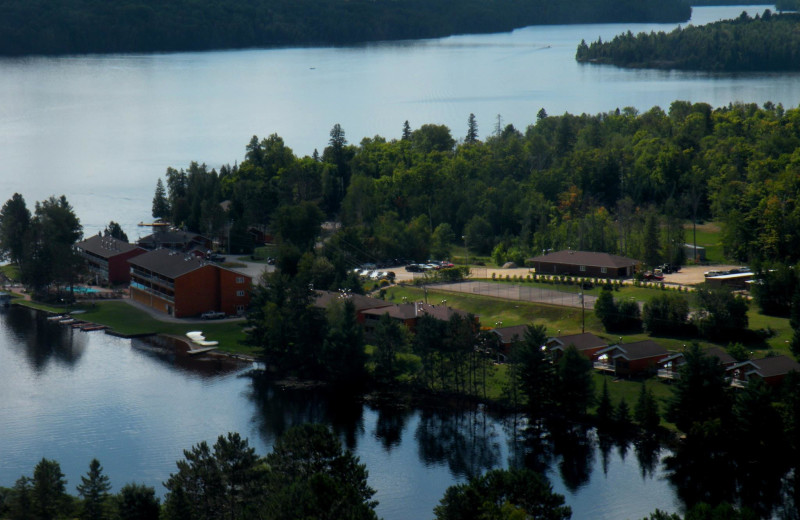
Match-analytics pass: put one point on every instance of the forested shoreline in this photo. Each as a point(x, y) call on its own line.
point(93, 26)
point(768, 43)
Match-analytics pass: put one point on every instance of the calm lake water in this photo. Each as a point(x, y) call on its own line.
point(73, 396)
point(103, 129)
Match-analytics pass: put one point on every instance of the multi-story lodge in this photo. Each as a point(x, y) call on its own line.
point(107, 258)
point(182, 285)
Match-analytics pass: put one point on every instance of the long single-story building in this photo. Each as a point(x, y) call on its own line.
point(183, 285)
point(669, 367)
point(107, 258)
point(584, 263)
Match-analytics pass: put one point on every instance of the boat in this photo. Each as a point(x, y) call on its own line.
point(205, 343)
point(66, 321)
point(57, 317)
point(195, 335)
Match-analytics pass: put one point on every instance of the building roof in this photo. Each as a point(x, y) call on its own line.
point(588, 258)
point(172, 236)
point(168, 263)
point(361, 302)
point(512, 333)
point(583, 341)
point(725, 359)
point(407, 311)
point(106, 247)
point(771, 366)
point(637, 350)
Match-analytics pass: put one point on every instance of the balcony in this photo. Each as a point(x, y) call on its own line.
point(665, 373)
point(605, 366)
point(148, 290)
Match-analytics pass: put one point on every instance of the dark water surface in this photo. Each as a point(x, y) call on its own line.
point(72, 396)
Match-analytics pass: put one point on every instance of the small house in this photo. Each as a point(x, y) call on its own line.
point(771, 370)
point(586, 343)
point(669, 367)
point(630, 359)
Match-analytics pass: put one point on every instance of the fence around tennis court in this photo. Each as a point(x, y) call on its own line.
point(519, 292)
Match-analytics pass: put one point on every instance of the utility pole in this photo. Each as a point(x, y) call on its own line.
point(583, 313)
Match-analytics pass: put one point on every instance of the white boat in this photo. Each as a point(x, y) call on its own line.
point(195, 335)
point(204, 343)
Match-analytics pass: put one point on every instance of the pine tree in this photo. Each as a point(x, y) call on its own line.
point(622, 417)
point(646, 411)
point(472, 130)
point(605, 409)
point(94, 488)
point(406, 131)
point(160, 203)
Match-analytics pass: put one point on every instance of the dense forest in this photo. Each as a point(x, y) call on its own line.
point(620, 182)
point(97, 26)
point(765, 43)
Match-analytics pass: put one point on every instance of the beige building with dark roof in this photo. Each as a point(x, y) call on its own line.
point(584, 263)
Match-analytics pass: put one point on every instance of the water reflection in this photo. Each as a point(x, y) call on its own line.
point(574, 443)
point(390, 425)
point(467, 441)
point(43, 340)
point(281, 407)
point(174, 353)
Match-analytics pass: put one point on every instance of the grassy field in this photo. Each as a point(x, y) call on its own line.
point(130, 321)
point(11, 271)
point(709, 236)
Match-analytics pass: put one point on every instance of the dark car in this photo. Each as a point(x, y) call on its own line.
point(414, 268)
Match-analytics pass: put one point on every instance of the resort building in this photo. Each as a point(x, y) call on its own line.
point(771, 370)
point(182, 285)
point(669, 367)
point(107, 258)
point(630, 359)
point(176, 240)
point(587, 344)
point(584, 263)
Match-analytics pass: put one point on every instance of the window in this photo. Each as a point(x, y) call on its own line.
point(240, 279)
point(583, 268)
point(239, 293)
point(604, 270)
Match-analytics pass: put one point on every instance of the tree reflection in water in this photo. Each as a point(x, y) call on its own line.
point(44, 340)
point(390, 425)
point(464, 440)
point(574, 443)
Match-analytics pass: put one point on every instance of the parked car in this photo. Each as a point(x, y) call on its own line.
point(414, 268)
point(212, 315)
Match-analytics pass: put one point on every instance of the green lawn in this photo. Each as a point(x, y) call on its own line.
point(11, 271)
point(709, 236)
point(629, 390)
point(130, 321)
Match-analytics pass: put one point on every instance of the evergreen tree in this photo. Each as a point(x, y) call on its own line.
point(536, 372)
point(575, 383)
point(114, 230)
point(646, 410)
point(137, 502)
point(391, 338)
point(503, 494)
point(652, 247)
point(700, 394)
point(50, 499)
point(622, 415)
point(161, 209)
point(20, 500)
point(472, 130)
point(343, 347)
point(605, 308)
point(406, 131)
point(605, 410)
point(15, 220)
point(93, 489)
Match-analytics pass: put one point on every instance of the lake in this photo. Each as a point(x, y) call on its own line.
point(103, 129)
point(72, 396)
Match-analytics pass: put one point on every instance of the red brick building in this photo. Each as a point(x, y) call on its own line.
point(584, 263)
point(107, 258)
point(182, 285)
